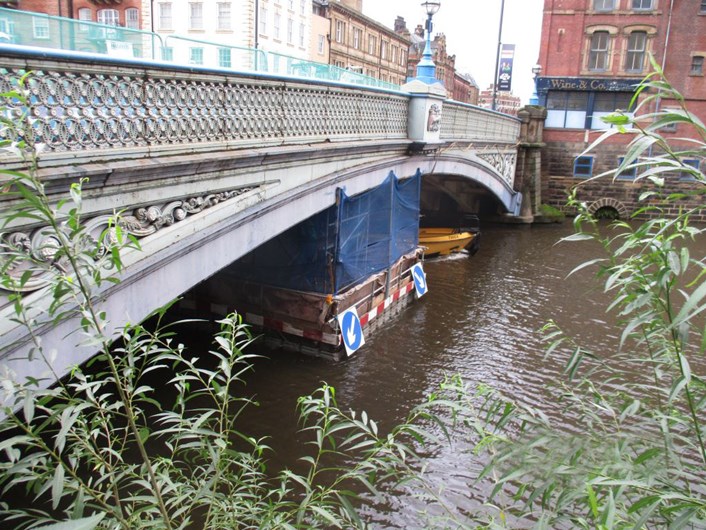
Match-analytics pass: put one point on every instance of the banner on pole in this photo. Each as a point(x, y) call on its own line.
point(507, 55)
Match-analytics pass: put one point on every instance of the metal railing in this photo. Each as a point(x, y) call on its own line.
point(39, 30)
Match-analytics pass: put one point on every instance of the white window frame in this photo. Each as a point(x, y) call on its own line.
point(108, 17)
point(165, 16)
point(321, 49)
point(263, 20)
point(290, 31)
point(225, 59)
point(224, 21)
point(132, 18)
point(302, 34)
point(357, 33)
point(276, 25)
point(196, 55)
point(196, 16)
point(40, 27)
point(85, 14)
point(340, 32)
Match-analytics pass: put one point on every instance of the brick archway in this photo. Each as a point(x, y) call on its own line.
point(608, 202)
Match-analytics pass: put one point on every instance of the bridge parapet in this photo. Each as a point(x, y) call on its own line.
point(80, 105)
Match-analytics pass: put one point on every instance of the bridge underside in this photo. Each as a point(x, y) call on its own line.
point(273, 196)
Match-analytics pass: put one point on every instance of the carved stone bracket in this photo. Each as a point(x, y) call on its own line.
point(33, 255)
point(503, 162)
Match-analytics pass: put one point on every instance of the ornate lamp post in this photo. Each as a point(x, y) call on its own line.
point(536, 70)
point(426, 69)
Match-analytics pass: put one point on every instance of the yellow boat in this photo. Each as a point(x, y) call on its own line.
point(443, 241)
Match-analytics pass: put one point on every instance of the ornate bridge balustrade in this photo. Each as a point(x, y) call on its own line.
point(206, 164)
point(84, 106)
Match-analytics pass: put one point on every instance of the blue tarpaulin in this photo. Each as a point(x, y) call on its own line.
point(342, 245)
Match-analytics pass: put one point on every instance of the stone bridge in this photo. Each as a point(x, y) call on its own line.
point(206, 164)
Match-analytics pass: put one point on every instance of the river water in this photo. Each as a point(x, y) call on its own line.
point(479, 319)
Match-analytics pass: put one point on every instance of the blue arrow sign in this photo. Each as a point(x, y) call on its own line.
point(420, 279)
point(351, 330)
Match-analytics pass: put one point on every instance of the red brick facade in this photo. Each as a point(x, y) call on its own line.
point(70, 8)
point(592, 53)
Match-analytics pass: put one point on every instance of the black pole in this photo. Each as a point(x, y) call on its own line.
point(497, 56)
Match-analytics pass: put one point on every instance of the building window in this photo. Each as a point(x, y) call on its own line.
point(566, 110)
point(86, 15)
point(322, 44)
point(167, 53)
point(686, 174)
point(109, 17)
point(603, 5)
point(598, 54)
point(290, 31)
point(165, 16)
point(263, 21)
point(132, 18)
point(291, 5)
point(697, 65)
point(302, 7)
point(403, 57)
point(703, 6)
point(276, 25)
point(356, 38)
point(195, 15)
point(583, 166)
point(642, 5)
point(383, 49)
point(224, 17)
point(372, 45)
point(627, 173)
point(195, 55)
point(40, 27)
point(340, 31)
point(302, 34)
point(224, 59)
point(393, 57)
point(605, 103)
point(635, 57)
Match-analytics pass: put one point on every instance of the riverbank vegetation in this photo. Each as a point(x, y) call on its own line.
point(98, 450)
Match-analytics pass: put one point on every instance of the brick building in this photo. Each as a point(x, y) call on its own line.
point(465, 89)
point(505, 102)
point(592, 54)
point(363, 45)
point(52, 32)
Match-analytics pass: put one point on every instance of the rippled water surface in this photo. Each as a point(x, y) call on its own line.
point(479, 319)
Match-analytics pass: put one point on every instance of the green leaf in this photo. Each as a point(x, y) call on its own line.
point(57, 486)
point(85, 523)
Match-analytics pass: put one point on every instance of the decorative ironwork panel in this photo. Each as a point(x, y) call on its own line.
point(74, 110)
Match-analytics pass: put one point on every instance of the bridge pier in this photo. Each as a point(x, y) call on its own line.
point(528, 176)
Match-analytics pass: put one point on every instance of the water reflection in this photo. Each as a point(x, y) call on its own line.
point(480, 319)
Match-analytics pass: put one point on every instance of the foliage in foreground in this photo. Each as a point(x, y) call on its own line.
point(639, 458)
point(100, 449)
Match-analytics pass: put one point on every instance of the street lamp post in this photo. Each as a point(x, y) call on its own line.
point(426, 69)
point(497, 57)
point(536, 70)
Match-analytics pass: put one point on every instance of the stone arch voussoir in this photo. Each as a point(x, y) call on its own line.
point(608, 202)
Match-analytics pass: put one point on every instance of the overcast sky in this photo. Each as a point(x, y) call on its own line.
point(471, 28)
